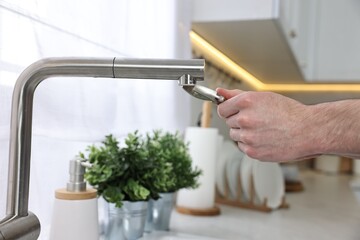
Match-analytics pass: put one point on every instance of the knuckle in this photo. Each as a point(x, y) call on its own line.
point(248, 150)
point(248, 98)
point(242, 147)
point(248, 138)
point(233, 134)
point(243, 121)
point(253, 153)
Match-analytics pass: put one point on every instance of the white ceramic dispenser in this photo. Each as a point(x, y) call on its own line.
point(75, 213)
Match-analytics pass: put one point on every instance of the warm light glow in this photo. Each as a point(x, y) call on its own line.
point(221, 60)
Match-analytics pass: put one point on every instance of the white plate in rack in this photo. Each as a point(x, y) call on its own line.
point(269, 183)
point(232, 172)
point(225, 153)
point(246, 175)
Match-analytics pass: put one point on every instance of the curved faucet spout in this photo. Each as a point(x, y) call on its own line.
point(22, 104)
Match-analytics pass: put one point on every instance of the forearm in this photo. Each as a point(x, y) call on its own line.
point(271, 127)
point(335, 128)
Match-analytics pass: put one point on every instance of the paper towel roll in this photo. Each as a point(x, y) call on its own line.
point(203, 151)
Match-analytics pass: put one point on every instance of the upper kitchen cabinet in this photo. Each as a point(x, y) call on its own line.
point(336, 40)
point(232, 10)
point(285, 41)
point(297, 20)
point(324, 37)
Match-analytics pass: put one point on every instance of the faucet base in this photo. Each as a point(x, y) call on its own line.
point(27, 227)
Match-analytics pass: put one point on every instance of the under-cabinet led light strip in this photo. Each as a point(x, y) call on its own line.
point(220, 59)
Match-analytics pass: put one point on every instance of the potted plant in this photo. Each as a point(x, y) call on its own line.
point(125, 177)
point(169, 152)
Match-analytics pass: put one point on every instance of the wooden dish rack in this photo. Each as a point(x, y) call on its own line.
point(247, 204)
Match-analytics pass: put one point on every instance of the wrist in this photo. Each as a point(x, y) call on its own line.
point(334, 128)
point(312, 130)
point(321, 139)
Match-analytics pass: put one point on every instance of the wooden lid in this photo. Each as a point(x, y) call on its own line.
point(66, 195)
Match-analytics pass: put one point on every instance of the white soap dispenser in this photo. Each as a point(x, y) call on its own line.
point(75, 213)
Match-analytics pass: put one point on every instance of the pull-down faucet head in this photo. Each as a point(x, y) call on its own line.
point(189, 85)
point(204, 93)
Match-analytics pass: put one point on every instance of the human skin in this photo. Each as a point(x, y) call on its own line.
point(271, 127)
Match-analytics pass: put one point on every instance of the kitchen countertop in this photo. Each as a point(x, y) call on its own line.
point(327, 209)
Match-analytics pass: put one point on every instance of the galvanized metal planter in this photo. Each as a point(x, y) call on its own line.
point(159, 212)
point(127, 222)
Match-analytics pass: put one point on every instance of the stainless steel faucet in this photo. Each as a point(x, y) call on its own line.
point(19, 223)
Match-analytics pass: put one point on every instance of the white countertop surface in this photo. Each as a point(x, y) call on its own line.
point(327, 209)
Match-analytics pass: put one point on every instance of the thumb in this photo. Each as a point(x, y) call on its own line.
point(227, 94)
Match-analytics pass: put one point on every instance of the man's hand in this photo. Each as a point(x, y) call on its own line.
point(268, 126)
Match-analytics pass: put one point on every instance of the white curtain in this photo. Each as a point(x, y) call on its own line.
point(71, 113)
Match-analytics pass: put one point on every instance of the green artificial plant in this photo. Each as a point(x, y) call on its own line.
point(121, 174)
point(171, 153)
